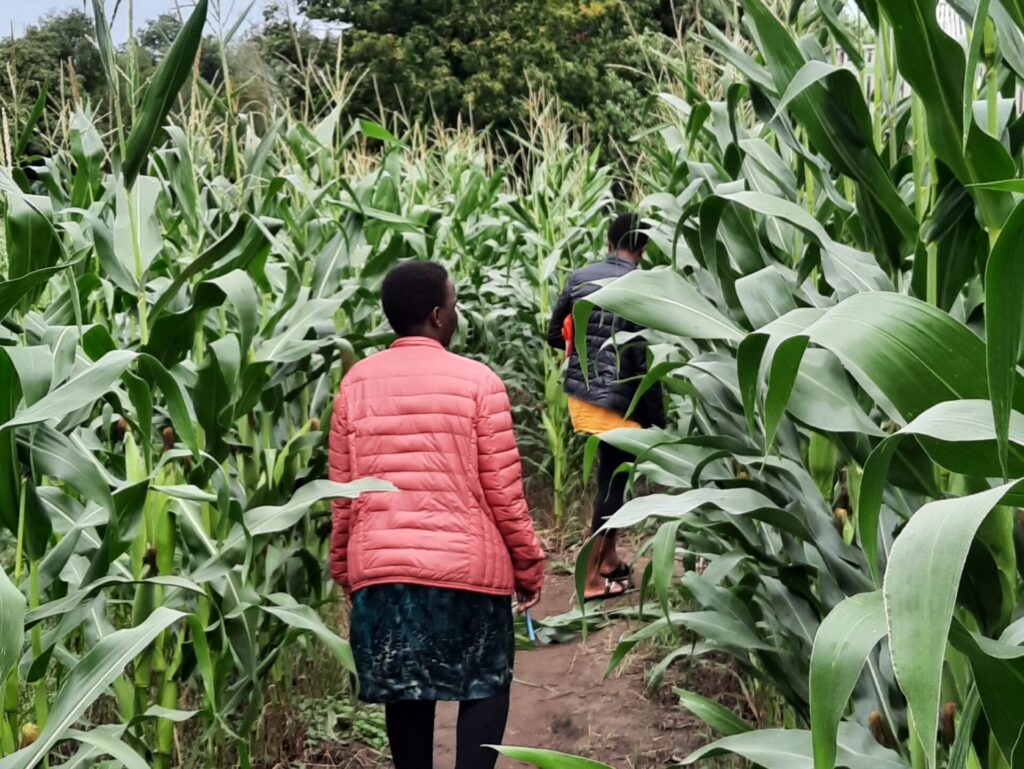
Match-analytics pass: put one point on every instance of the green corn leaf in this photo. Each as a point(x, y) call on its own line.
point(178, 716)
point(88, 680)
point(1002, 185)
point(846, 269)
point(12, 624)
point(108, 53)
point(548, 759)
point(33, 245)
point(62, 606)
point(227, 245)
point(811, 73)
point(238, 289)
point(663, 559)
point(823, 399)
point(849, 44)
point(920, 588)
point(655, 299)
point(784, 371)
point(845, 142)
point(377, 131)
point(303, 618)
point(721, 630)
point(34, 366)
point(765, 296)
point(12, 292)
point(88, 386)
point(955, 434)
point(960, 753)
point(934, 65)
point(791, 749)
point(161, 93)
point(179, 405)
point(845, 639)
point(269, 519)
point(971, 68)
point(56, 455)
point(136, 236)
point(738, 502)
point(998, 669)
point(290, 345)
point(107, 740)
point(717, 716)
point(1004, 316)
point(33, 120)
point(869, 331)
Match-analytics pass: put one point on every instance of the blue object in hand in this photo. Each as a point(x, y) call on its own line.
point(529, 626)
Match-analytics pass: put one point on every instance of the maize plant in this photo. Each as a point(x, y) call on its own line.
point(177, 307)
point(838, 315)
point(835, 311)
point(166, 366)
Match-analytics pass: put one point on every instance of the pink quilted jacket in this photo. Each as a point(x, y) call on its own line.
point(439, 428)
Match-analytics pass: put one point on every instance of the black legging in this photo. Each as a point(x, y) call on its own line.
point(410, 727)
point(611, 487)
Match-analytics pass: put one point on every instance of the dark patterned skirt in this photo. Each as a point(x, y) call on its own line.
point(427, 643)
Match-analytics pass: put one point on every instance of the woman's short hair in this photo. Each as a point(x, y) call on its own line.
point(627, 232)
point(410, 293)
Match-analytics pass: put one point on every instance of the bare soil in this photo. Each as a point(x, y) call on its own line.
point(562, 701)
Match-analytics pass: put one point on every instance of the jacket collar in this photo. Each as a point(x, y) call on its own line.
point(620, 261)
point(416, 341)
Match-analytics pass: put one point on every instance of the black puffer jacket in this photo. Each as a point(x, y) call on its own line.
point(615, 370)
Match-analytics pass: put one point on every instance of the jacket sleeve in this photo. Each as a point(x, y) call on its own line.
point(501, 478)
point(339, 471)
point(562, 309)
point(650, 411)
point(652, 407)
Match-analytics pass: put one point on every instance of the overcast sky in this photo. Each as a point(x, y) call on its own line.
point(21, 13)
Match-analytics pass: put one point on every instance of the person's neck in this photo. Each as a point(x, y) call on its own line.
point(629, 257)
point(424, 333)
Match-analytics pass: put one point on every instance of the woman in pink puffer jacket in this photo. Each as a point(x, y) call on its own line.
point(431, 568)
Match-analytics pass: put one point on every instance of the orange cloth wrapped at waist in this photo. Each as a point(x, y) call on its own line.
point(594, 420)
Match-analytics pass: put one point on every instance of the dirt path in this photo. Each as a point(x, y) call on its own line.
point(561, 701)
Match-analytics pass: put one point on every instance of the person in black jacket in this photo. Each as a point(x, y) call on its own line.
point(616, 364)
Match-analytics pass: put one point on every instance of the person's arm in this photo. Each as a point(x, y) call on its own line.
point(652, 406)
point(339, 471)
point(650, 411)
point(563, 308)
point(501, 478)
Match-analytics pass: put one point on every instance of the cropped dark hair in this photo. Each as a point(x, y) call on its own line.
point(410, 293)
point(627, 232)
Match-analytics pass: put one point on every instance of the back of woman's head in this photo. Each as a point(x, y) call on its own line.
point(410, 293)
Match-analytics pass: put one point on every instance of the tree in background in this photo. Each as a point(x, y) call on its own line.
point(478, 60)
point(60, 50)
point(60, 44)
point(472, 61)
point(156, 36)
point(292, 53)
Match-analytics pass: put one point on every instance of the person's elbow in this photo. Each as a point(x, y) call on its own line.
point(338, 570)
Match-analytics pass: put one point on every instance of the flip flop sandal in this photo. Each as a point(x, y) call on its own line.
point(609, 591)
point(621, 574)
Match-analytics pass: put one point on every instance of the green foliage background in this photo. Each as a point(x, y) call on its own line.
point(474, 62)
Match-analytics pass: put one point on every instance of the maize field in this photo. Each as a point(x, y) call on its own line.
point(834, 305)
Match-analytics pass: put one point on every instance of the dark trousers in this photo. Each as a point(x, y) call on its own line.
point(611, 487)
point(410, 726)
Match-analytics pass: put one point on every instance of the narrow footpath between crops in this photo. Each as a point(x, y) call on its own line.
point(561, 701)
